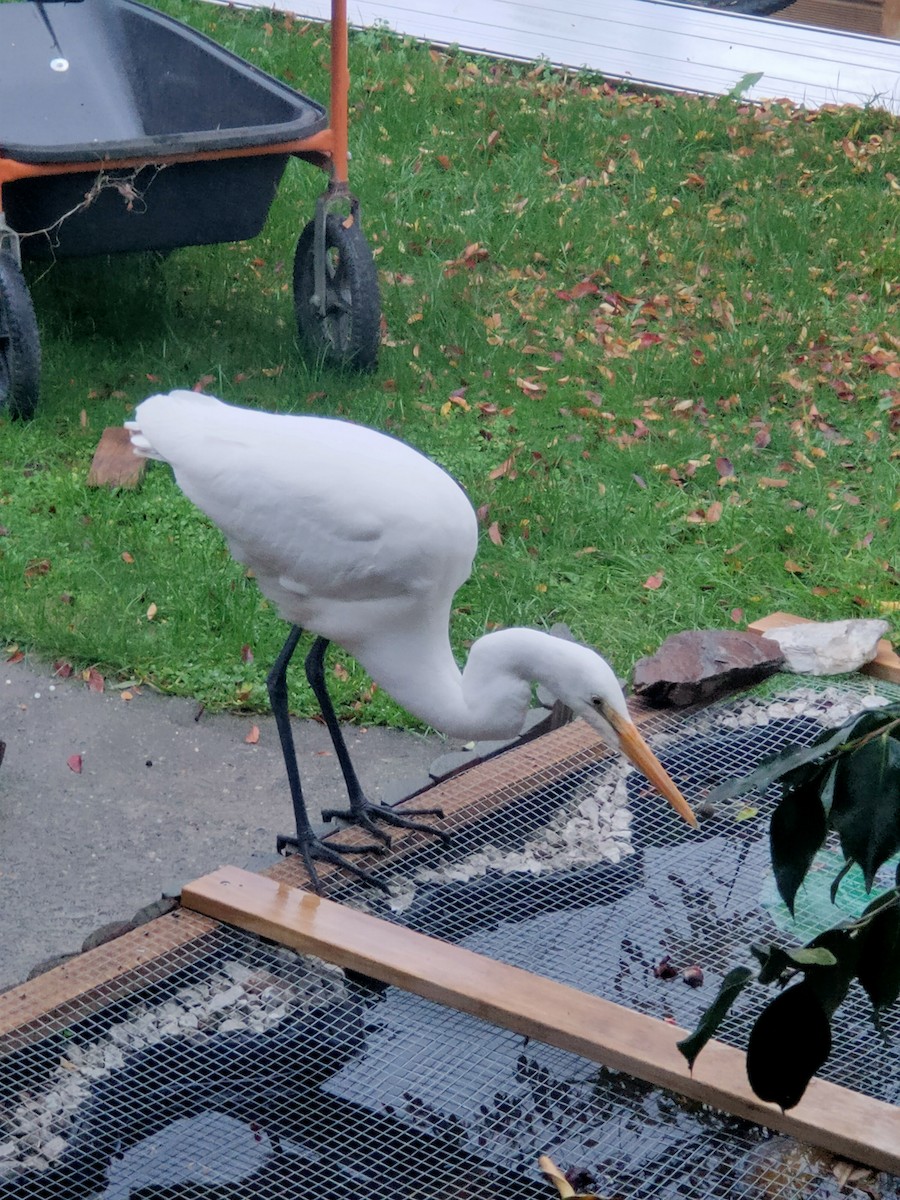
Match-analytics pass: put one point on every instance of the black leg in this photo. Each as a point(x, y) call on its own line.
point(361, 811)
point(306, 842)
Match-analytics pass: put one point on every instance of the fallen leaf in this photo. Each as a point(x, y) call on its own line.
point(507, 467)
point(494, 534)
point(737, 615)
point(341, 672)
point(151, 612)
point(73, 762)
point(765, 481)
point(14, 654)
point(126, 695)
point(253, 736)
point(37, 566)
point(126, 557)
point(203, 382)
point(94, 680)
point(652, 582)
point(62, 669)
point(246, 653)
point(793, 567)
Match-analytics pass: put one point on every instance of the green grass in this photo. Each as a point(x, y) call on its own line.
point(680, 322)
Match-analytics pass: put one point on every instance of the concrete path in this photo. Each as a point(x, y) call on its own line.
point(162, 798)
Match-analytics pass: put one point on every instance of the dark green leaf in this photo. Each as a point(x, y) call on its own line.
point(839, 878)
point(831, 981)
point(801, 760)
point(788, 1044)
point(865, 810)
point(879, 957)
point(773, 962)
point(776, 962)
point(796, 833)
point(777, 766)
point(812, 956)
point(732, 986)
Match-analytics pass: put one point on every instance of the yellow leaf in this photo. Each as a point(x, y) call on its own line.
point(554, 1174)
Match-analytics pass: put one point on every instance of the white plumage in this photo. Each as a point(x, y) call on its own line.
point(361, 539)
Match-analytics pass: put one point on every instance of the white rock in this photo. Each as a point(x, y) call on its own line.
point(54, 1148)
point(828, 647)
point(226, 999)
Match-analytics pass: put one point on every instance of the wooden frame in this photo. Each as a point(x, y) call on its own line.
point(843, 1121)
point(834, 1118)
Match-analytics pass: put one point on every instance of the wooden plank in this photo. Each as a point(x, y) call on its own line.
point(841, 1121)
point(115, 464)
point(885, 665)
point(481, 789)
point(96, 978)
point(855, 16)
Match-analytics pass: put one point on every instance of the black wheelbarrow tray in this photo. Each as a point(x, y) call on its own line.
point(121, 129)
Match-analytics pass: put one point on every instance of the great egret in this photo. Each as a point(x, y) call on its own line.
point(360, 539)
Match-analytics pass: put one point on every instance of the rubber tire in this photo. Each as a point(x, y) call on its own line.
point(350, 332)
point(20, 344)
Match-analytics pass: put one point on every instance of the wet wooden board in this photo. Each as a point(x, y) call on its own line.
point(115, 464)
point(90, 981)
point(885, 665)
point(834, 1118)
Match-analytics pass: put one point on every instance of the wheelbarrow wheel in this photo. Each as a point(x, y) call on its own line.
point(349, 331)
point(20, 345)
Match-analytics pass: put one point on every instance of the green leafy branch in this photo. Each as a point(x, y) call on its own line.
point(847, 782)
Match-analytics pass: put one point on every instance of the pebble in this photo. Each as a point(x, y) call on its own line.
point(236, 997)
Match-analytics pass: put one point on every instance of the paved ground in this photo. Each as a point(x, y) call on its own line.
point(162, 798)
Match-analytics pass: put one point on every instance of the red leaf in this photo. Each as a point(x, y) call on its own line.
point(94, 680)
point(253, 736)
point(794, 567)
point(62, 669)
point(494, 534)
point(652, 582)
point(203, 382)
point(37, 566)
point(73, 762)
point(737, 615)
point(246, 653)
point(586, 287)
point(724, 467)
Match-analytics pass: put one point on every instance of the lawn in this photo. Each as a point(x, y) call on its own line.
point(657, 338)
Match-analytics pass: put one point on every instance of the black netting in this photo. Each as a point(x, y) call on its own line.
point(243, 1070)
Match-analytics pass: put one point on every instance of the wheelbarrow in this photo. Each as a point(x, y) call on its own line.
point(121, 129)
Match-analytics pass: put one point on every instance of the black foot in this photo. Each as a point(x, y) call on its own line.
point(312, 849)
point(366, 815)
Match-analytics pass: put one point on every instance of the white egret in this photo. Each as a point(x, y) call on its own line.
point(361, 540)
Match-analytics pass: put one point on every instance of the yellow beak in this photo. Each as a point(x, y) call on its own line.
point(635, 748)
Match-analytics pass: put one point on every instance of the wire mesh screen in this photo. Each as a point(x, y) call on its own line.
point(243, 1070)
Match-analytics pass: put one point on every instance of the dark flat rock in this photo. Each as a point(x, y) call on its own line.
point(702, 664)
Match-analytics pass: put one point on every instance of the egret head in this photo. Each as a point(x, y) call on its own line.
point(597, 698)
